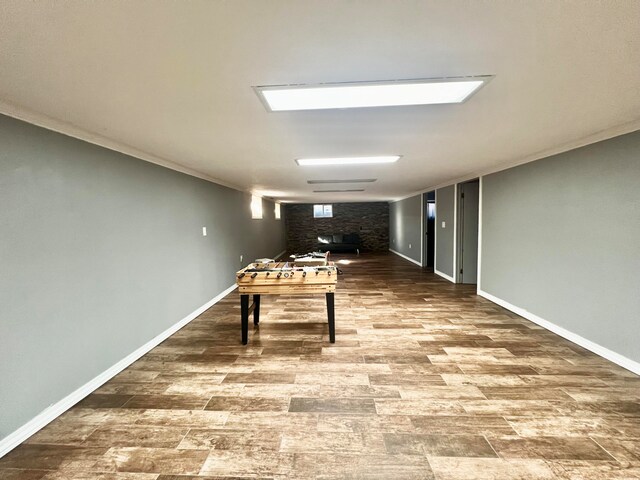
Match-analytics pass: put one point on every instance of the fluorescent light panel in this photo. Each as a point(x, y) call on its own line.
point(352, 180)
point(370, 94)
point(346, 160)
point(340, 190)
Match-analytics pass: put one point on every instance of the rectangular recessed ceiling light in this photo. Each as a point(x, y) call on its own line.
point(370, 94)
point(352, 180)
point(343, 190)
point(346, 160)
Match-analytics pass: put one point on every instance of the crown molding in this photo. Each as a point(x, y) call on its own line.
point(70, 130)
point(599, 136)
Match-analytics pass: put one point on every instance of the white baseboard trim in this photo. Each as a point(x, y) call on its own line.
point(405, 257)
point(444, 275)
point(52, 412)
point(604, 352)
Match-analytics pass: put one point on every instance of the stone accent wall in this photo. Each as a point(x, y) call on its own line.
point(369, 220)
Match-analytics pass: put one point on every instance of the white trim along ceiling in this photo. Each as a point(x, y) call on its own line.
point(173, 84)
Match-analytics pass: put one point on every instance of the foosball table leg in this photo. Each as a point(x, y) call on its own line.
point(256, 310)
point(332, 317)
point(244, 316)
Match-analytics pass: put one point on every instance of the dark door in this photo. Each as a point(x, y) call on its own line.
point(430, 228)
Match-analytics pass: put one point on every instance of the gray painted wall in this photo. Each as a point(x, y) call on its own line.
point(99, 253)
point(561, 239)
point(467, 222)
point(445, 200)
point(405, 227)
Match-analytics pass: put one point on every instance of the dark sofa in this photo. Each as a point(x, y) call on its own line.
point(339, 243)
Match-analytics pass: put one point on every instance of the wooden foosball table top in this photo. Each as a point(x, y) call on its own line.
point(287, 278)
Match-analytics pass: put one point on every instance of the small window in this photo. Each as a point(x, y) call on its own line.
point(277, 211)
point(322, 211)
point(256, 207)
point(431, 211)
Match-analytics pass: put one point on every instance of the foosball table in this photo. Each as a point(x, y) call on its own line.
point(302, 276)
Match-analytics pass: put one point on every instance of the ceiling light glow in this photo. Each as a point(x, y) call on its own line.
point(340, 190)
point(346, 160)
point(370, 94)
point(256, 207)
point(347, 180)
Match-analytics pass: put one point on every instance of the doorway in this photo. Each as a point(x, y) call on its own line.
point(429, 222)
point(467, 225)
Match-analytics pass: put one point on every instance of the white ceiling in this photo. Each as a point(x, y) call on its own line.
point(171, 82)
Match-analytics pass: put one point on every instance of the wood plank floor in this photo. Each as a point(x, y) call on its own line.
point(426, 381)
